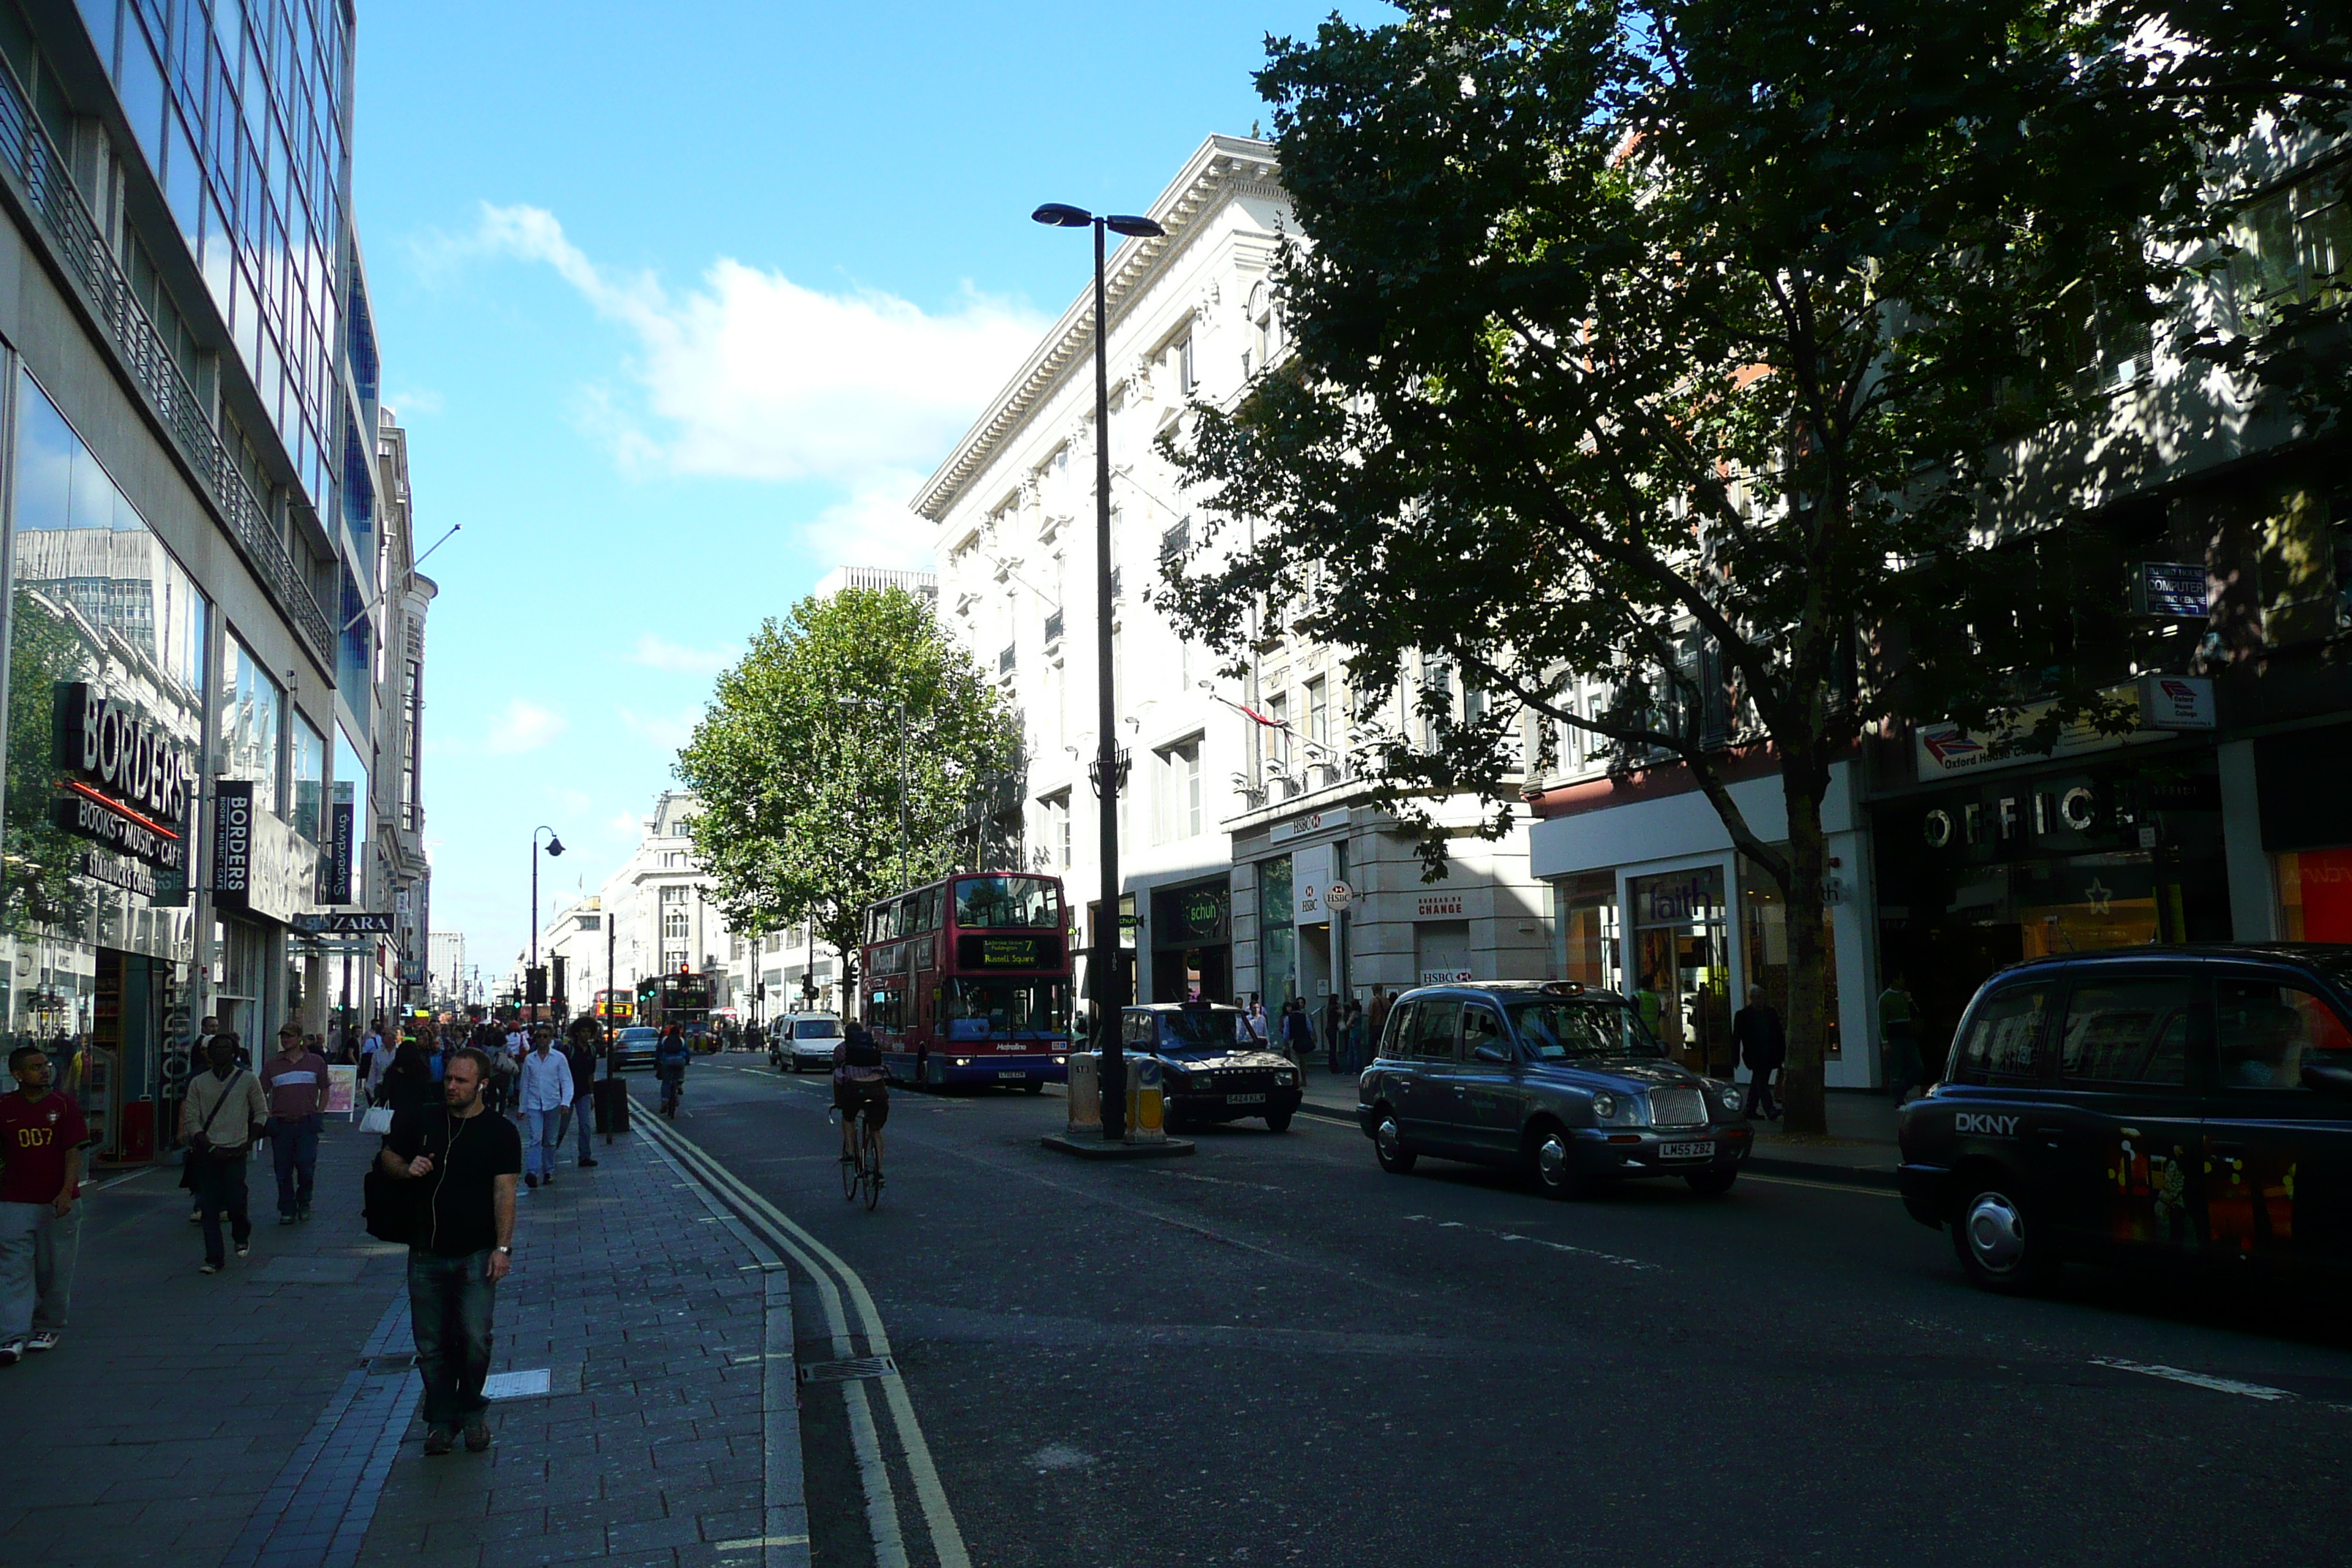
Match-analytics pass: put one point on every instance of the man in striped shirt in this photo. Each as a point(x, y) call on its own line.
point(295, 1081)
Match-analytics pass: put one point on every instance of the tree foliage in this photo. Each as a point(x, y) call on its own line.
point(797, 762)
point(1699, 348)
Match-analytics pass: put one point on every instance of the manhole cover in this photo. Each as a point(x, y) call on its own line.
point(849, 1371)
point(383, 1363)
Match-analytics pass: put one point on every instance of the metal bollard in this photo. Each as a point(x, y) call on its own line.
point(1086, 1093)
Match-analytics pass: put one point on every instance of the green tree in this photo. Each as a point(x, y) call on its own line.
point(1698, 348)
point(797, 762)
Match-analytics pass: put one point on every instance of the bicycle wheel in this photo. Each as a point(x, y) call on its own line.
point(871, 1161)
point(852, 1175)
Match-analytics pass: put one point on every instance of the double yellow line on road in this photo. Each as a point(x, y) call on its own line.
point(832, 1277)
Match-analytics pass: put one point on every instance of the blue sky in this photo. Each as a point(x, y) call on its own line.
point(677, 315)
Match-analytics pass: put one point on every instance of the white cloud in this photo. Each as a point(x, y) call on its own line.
point(522, 727)
point(625, 824)
point(752, 375)
point(412, 401)
point(666, 732)
point(873, 526)
point(654, 653)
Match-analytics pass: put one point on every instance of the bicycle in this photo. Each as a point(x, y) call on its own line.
point(671, 1088)
point(862, 1172)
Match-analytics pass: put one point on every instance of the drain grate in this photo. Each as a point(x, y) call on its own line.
point(851, 1371)
point(384, 1363)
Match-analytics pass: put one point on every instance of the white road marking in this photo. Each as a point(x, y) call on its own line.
point(1059, 1456)
point(1820, 1186)
point(1611, 1258)
point(2196, 1379)
point(947, 1540)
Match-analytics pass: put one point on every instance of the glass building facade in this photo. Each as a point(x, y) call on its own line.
point(241, 109)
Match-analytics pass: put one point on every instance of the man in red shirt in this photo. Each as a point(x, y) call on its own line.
point(295, 1079)
point(42, 1136)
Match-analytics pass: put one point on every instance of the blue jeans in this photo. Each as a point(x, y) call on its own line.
point(541, 1132)
point(294, 1149)
point(36, 1268)
point(584, 1117)
point(449, 1306)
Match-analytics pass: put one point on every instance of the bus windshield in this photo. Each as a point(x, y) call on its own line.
point(975, 1009)
point(997, 903)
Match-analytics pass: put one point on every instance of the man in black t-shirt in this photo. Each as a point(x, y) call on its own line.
point(466, 1162)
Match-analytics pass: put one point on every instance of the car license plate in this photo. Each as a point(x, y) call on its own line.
point(1684, 1151)
point(1245, 1100)
point(1012, 1075)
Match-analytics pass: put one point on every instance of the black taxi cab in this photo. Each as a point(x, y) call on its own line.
point(2175, 1104)
point(1562, 1084)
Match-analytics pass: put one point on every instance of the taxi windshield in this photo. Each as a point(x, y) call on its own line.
point(1586, 1028)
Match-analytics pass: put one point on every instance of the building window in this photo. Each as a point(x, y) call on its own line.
point(1179, 791)
point(1185, 378)
point(674, 925)
point(591, 922)
point(1318, 714)
point(1058, 829)
point(1277, 708)
point(1265, 329)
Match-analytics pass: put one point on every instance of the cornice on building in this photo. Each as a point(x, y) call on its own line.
point(1222, 168)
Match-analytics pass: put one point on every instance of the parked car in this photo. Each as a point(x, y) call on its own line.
point(803, 1040)
point(1565, 1084)
point(1212, 1069)
point(2178, 1105)
point(634, 1046)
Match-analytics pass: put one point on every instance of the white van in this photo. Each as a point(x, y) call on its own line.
point(803, 1040)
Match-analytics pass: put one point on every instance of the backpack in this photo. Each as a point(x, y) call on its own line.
point(861, 1052)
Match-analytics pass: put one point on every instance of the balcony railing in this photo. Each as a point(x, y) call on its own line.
point(1005, 661)
point(1053, 628)
point(43, 186)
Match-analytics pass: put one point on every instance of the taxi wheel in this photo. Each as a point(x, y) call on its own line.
point(1998, 1244)
point(1388, 1144)
point(1278, 1122)
point(1033, 1088)
point(1551, 1161)
point(1712, 1183)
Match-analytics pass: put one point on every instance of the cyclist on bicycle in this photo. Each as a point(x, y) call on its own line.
point(859, 1084)
point(670, 1058)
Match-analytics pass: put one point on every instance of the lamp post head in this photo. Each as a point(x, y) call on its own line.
point(554, 844)
point(1134, 227)
point(1061, 214)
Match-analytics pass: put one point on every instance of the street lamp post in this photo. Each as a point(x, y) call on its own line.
point(554, 847)
point(1103, 964)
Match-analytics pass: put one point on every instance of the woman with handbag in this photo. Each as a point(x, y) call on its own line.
point(408, 1083)
point(224, 1113)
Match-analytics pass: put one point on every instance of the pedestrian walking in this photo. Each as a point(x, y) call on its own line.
point(1353, 1037)
point(1376, 1019)
point(225, 1113)
point(408, 1083)
point(1899, 1033)
point(1761, 1041)
point(544, 1096)
point(295, 1081)
point(462, 1244)
point(579, 1049)
point(1297, 1032)
point(1331, 1031)
point(200, 1061)
point(42, 1136)
point(1256, 1016)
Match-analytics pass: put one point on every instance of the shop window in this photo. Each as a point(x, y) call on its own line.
point(2133, 1031)
point(2004, 1043)
point(2314, 892)
point(1682, 956)
point(1589, 947)
point(1764, 947)
point(309, 763)
point(2264, 1033)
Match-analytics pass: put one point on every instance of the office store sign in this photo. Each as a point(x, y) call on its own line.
point(260, 865)
point(125, 787)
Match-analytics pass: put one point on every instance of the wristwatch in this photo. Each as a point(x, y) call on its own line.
point(508, 1250)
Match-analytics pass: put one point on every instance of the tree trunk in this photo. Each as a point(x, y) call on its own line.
point(1803, 1107)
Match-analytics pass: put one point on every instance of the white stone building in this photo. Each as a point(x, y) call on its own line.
point(1232, 827)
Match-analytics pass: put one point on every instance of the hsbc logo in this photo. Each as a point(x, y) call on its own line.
point(1987, 1125)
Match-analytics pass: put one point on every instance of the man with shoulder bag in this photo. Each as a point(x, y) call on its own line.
point(460, 1164)
point(225, 1113)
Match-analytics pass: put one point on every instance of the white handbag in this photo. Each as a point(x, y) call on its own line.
point(378, 1120)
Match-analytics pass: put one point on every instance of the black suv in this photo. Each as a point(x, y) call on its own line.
point(2180, 1104)
point(1212, 1069)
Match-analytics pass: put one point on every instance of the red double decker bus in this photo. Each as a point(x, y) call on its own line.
point(968, 981)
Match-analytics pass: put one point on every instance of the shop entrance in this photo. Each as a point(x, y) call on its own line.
point(1191, 945)
point(1682, 965)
